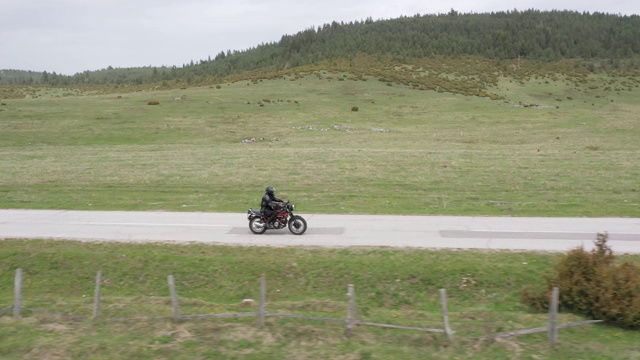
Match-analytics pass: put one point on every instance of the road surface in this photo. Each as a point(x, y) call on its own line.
point(503, 233)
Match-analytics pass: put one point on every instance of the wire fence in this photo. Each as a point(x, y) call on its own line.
point(350, 321)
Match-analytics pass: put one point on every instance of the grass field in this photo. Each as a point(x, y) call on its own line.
point(392, 286)
point(404, 151)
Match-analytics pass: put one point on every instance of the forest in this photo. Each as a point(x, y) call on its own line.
point(608, 40)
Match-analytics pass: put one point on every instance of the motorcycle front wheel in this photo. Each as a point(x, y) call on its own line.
point(297, 225)
point(257, 226)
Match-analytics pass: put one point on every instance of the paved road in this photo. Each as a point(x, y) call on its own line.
point(544, 234)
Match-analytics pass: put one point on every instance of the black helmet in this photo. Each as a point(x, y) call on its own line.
point(270, 190)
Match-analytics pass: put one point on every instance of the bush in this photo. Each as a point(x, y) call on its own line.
point(617, 296)
point(575, 274)
point(592, 284)
point(153, 102)
point(354, 108)
point(535, 297)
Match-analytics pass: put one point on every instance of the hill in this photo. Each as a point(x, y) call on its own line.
point(603, 40)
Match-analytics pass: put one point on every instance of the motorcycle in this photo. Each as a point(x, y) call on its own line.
point(258, 222)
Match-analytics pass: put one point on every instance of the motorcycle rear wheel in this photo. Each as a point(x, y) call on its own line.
point(297, 225)
point(257, 226)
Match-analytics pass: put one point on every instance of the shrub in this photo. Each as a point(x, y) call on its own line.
point(575, 274)
point(535, 297)
point(592, 284)
point(153, 102)
point(354, 108)
point(616, 298)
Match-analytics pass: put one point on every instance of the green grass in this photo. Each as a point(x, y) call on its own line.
point(392, 286)
point(404, 151)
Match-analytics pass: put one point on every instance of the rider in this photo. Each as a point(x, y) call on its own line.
point(269, 204)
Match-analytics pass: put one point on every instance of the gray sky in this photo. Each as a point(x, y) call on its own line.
point(70, 36)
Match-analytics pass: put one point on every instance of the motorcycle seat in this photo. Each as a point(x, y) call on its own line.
point(255, 212)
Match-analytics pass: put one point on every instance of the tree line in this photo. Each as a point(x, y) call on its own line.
point(536, 35)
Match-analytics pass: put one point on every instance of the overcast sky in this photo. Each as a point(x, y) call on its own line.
point(70, 36)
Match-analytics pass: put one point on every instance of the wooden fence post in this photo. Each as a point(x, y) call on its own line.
point(96, 296)
point(174, 298)
point(445, 314)
point(263, 299)
point(17, 294)
point(553, 316)
point(351, 310)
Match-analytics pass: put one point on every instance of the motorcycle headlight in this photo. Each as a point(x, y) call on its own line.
point(293, 207)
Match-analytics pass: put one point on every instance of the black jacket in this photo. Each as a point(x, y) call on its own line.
point(268, 202)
